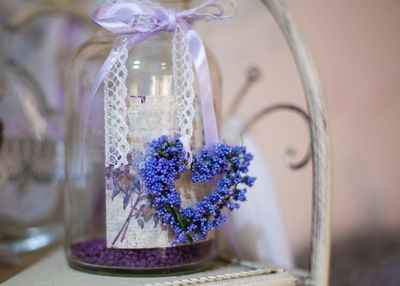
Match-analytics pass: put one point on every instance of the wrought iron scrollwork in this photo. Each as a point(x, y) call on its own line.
point(253, 74)
point(290, 152)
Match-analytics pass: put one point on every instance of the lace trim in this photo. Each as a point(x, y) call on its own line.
point(183, 88)
point(116, 110)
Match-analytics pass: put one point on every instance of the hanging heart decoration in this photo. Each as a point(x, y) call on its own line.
point(166, 160)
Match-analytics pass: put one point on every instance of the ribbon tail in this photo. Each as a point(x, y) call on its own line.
point(102, 73)
point(200, 62)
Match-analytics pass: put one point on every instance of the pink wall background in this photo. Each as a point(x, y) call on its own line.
point(355, 45)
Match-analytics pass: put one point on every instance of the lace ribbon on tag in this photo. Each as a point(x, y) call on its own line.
point(116, 109)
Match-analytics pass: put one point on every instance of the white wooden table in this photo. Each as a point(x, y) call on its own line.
point(54, 271)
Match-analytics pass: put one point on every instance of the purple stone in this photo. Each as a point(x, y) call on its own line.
point(96, 252)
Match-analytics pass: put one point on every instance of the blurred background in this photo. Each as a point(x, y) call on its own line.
point(355, 46)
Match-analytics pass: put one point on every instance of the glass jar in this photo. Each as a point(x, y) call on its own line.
point(31, 163)
point(32, 118)
point(110, 225)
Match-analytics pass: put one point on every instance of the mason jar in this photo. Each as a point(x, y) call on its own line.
point(31, 162)
point(109, 222)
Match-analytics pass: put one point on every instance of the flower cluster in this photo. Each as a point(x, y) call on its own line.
point(167, 160)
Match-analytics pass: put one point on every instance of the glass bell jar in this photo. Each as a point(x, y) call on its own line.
point(111, 226)
point(31, 163)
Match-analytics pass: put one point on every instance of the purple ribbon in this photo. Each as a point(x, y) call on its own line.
point(123, 19)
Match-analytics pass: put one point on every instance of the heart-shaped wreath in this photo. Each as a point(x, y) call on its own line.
point(166, 160)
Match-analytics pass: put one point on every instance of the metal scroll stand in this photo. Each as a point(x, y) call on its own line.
point(318, 274)
point(320, 157)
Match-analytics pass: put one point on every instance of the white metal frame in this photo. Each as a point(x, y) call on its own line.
point(321, 213)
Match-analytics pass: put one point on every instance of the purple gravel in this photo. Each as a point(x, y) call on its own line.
point(95, 252)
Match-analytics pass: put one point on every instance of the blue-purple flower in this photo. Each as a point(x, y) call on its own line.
point(166, 160)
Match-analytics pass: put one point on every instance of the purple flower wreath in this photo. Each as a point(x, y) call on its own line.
point(166, 160)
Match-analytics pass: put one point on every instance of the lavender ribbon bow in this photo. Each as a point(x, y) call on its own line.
point(123, 19)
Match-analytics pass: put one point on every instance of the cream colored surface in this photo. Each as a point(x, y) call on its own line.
point(55, 271)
